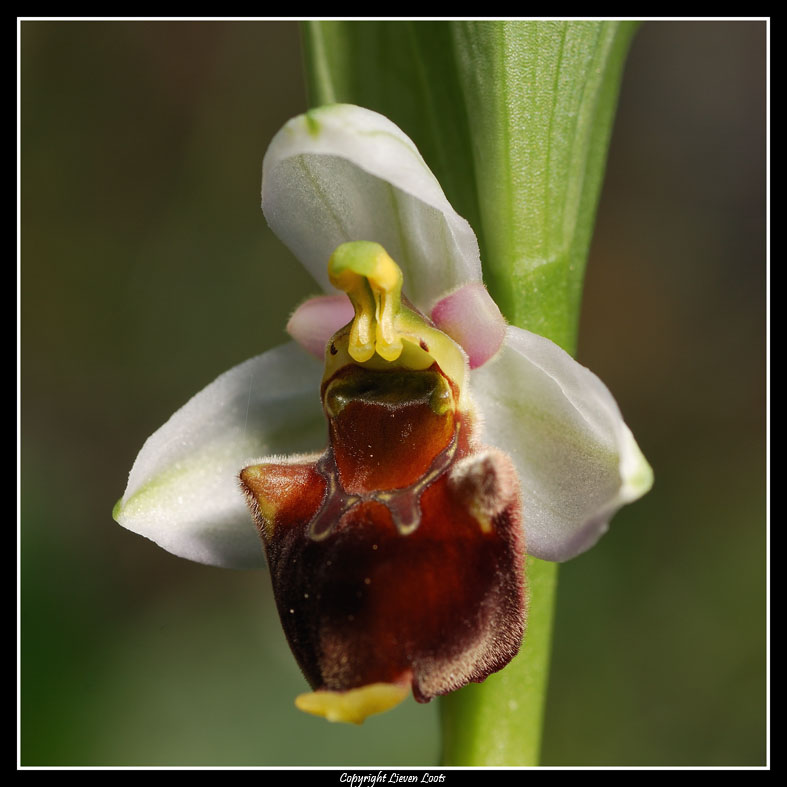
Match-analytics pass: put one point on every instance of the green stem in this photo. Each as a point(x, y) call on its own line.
point(540, 144)
point(540, 98)
point(499, 722)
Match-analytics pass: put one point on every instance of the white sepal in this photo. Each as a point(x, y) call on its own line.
point(576, 458)
point(343, 173)
point(183, 490)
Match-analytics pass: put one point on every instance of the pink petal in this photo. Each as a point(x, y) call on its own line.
point(316, 320)
point(470, 317)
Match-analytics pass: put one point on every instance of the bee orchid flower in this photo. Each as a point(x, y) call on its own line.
point(401, 456)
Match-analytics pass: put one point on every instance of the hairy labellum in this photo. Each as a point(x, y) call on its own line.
point(397, 555)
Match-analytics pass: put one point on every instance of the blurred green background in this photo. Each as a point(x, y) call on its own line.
point(148, 269)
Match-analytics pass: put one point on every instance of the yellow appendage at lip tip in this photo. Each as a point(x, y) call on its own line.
point(373, 282)
point(352, 706)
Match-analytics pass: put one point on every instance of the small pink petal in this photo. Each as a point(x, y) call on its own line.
point(316, 320)
point(471, 318)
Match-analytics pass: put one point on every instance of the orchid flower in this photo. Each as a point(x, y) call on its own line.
point(496, 432)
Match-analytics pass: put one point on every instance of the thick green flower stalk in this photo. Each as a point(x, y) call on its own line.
point(514, 118)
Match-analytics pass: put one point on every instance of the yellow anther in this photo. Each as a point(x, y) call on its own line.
point(384, 331)
point(373, 282)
